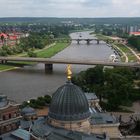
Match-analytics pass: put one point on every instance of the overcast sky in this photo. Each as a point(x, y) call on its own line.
point(69, 8)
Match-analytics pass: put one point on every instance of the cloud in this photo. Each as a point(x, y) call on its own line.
point(69, 8)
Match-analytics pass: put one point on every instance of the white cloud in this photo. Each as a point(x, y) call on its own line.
point(69, 8)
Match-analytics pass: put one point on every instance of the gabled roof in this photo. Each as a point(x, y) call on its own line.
point(4, 35)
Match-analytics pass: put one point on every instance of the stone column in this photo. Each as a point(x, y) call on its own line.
point(3, 61)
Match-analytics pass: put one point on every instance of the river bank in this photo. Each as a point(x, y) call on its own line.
point(46, 52)
point(127, 54)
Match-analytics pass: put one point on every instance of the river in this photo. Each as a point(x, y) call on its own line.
point(31, 81)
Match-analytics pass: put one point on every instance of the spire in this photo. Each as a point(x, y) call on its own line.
point(69, 72)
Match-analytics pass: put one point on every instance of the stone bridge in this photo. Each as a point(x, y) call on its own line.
point(87, 40)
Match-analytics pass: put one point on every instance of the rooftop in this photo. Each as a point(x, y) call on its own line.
point(91, 96)
point(28, 111)
point(69, 103)
point(3, 101)
point(43, 130)
point(102, 118)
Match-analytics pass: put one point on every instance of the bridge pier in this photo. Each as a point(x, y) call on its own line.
point(98, 41)
point(3, 61)
point(48, 68)
point(78, 41)
point(88, 42)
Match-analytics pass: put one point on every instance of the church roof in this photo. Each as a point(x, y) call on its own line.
point(69, 103)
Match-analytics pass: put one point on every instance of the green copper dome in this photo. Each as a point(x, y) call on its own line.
point(69, 103)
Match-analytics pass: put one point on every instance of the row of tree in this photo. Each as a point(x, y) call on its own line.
point(8, 50)
point(40, 102)
point(35, 40)
point(40, 36)
point(114, 87)
point(135, 41)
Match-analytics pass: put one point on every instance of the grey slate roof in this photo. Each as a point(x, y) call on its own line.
point(102, 118)
point(25, 124)
point(69, 103)
point(22, 134)
point(15, 135)
point(91, 96)
point(41, 129)
point(28, 111)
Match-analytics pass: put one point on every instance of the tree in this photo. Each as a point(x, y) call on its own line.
point(115, 85)
point(47, 99)
point(134, 41)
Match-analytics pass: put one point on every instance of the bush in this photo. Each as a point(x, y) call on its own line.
point(47, 99)
point(40, 102)
point(3, 52)
point(31, 53)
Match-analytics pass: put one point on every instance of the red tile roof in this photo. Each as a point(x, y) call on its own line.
point(135, 33)
point(3, 34)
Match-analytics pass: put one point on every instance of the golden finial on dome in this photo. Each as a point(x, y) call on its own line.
point(69, 72)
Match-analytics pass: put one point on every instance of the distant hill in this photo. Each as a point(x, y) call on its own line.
point(47, 20)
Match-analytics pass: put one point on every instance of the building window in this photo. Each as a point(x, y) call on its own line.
point(9, 116)
point(4, 118)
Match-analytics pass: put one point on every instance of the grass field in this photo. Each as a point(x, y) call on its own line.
point(102, 37)
point(5, 67)
point(130, 55)
point(49, 52)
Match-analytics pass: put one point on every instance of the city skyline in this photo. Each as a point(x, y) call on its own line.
point(69, 8)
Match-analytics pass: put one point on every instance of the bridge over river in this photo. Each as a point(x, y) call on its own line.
point(87, 40)
point(50, 61)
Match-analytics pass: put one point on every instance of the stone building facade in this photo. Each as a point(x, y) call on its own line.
point(9, 115)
